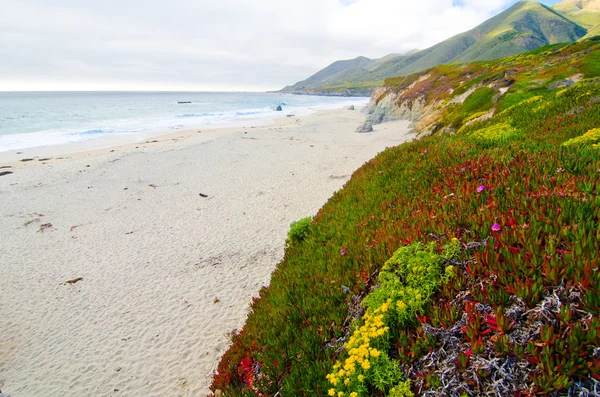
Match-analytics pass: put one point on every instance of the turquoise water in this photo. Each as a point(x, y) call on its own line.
point(32, 119)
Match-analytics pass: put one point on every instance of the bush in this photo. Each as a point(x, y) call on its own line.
point(299, 229)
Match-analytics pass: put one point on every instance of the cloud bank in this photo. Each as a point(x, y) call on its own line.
point(208, 44)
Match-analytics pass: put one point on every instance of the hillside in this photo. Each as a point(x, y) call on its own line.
point(594, 31)
point(584, 12)
point(524, 26)
point(460, 264)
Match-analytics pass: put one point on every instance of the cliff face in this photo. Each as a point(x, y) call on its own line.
point(391, 103)
point(414, 102)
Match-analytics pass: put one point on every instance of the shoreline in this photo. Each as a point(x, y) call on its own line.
point(172, 240)
point(100, 144)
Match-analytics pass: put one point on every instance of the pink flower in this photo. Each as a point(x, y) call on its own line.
point(469, 352)
point(496, 227)
point(343, 251)
point(481, 188)
point(426, 151)
point(559, 170)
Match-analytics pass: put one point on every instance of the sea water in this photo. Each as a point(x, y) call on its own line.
point(34, 119)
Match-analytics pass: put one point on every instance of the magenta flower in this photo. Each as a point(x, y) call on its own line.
point(559, 170)
point(481, 188)
point(343, 251)
point(426, 151)
point(496, 227)
point(381, 171)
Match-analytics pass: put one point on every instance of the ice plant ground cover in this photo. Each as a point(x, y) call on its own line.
point(517, 312)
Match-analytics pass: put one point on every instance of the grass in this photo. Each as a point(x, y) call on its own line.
point(512, 309)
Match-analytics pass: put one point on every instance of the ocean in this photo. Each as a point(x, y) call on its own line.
point(34, 119)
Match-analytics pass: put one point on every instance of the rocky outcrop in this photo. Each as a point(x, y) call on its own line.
point(351, 107)
point(388, 105)
point(278, 108)
point(365, 127)
point(423, 98)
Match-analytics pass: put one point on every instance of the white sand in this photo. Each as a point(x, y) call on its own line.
point(166, 273)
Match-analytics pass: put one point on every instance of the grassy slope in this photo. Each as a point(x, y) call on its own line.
point(584, 12)
point(594, 31)
point(524, 26)
point(542, 194)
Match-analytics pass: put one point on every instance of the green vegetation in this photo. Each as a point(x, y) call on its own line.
point(475, 105)
point(407, 283)
point(462, 264)
point(584, 12)
point(524, 26)
point(299, 230)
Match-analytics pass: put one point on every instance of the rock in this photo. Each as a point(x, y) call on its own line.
point(5, 173)
point(24, 160)
point(290, 115)
point(351, 107)
point(376, 117)
point(184, 102)
point(564, 83)
point(366, 127)
point(278, 109)
point(203, 195)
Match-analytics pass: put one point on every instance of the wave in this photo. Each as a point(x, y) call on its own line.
point(150, 124)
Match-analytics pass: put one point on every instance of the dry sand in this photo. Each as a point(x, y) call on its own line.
point(167, 273)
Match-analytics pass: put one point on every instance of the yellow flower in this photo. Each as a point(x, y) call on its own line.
point(346, 381)
point(361, 378)
point(375, 353)
point(401, 305)
point(341, 394)
point(341, 373)
point(366, 365)
point(354, 394)
point(331, 392)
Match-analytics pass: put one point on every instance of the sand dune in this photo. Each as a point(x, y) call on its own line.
point(166, 273)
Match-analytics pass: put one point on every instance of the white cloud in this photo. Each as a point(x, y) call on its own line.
point(209, 44)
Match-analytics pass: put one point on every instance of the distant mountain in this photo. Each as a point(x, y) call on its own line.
point(338, 73)
point(584, 12)
point(524, 26)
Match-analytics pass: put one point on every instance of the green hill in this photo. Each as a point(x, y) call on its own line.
point(460, 264)
point(524, 26)
point(584, 12)
point(594, 31)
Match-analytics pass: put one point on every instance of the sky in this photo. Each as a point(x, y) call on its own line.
point(212, 45)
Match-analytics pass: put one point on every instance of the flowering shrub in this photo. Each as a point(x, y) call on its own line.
point(592, 137)
point(407, 282)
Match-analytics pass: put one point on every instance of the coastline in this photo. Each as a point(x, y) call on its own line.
point(167, 273)
point(53, 147)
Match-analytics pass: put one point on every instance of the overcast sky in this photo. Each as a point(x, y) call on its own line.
point(202, 45)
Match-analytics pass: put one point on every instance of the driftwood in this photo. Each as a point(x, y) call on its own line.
point(73, 281)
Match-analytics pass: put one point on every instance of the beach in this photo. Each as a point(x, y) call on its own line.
point(126, 269)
